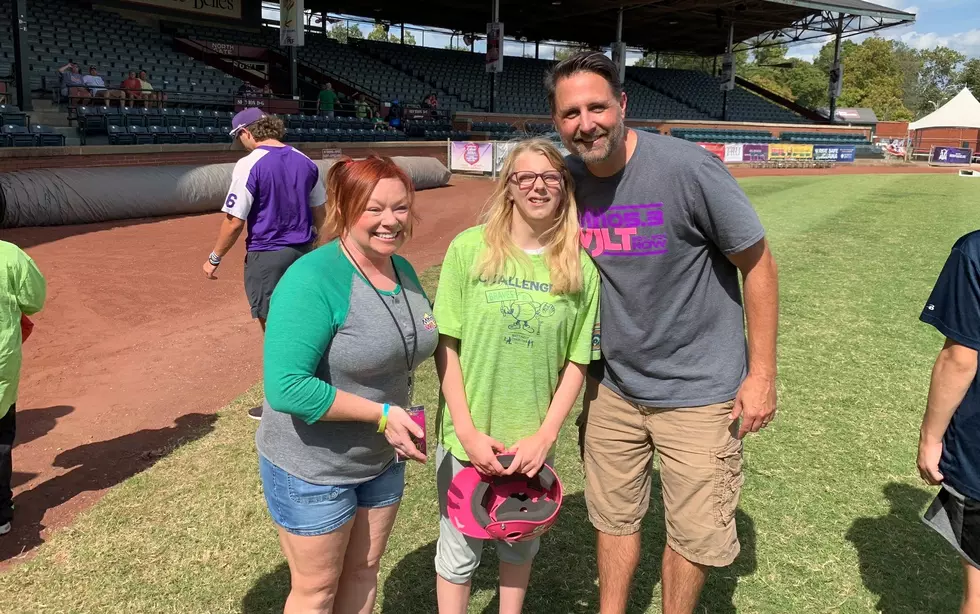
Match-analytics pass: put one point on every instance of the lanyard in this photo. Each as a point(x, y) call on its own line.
point(409, 359)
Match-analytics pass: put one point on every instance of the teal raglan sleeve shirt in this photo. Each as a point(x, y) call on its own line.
point(306, 310)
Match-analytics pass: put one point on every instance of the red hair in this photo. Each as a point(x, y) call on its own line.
point(349, 187)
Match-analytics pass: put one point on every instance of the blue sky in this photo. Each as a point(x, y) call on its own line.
point(953, 23)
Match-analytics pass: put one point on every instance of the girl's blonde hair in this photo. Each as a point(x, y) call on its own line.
point(561, 242)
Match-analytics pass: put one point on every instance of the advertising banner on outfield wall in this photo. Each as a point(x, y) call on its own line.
point(231, 9)
point(471, 156)
point(733, 152)
point(755, 152)
point(716, 148)
point(950, 155)
point(790, 151)
point(834, 153)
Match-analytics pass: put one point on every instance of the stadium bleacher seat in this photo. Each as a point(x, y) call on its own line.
point(64, 31)
point(180, 134)
point(217, 135)
point(701, 91)
point(721, 135)
point(161, 135)
point(17, 136)
point(45, 136)
point(825, 138)
point(11, 115)
point(118, 135)
point(141, 135)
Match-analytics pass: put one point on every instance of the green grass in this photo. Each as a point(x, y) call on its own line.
point(829, 514)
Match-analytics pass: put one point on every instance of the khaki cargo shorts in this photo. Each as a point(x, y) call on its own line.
point(700, 471)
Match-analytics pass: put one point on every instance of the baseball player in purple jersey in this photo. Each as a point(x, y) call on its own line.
point(277, 193)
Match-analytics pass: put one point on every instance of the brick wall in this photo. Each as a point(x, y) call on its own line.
point(25, 158)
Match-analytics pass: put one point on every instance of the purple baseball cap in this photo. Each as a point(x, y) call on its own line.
point(245, 118)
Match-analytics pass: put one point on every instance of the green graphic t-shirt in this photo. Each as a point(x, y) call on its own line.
point(514, 338)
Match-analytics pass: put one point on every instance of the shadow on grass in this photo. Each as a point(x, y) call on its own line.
point(269, 593)
point(564, 574)
point(908, 566)
point(90, 467)
point(563, 578)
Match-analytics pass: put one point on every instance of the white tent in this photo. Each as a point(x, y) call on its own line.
point(962, 111)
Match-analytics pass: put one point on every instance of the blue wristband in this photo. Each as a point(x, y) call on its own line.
point(383, 422)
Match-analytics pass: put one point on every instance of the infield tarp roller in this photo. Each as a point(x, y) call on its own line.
point(56, 197)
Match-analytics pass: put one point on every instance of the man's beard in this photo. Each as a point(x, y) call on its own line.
point(595, 155)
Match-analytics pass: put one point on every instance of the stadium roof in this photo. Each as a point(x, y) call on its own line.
point(678, 26)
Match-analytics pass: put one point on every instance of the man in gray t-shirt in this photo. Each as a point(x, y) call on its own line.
point(670, 230)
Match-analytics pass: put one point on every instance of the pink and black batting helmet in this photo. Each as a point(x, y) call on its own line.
point(511, 508)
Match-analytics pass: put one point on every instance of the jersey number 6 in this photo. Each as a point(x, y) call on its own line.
point(231, 201)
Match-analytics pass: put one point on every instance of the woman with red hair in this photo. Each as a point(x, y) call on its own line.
point(348, 325)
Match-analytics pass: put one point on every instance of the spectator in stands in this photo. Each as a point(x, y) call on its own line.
point(97, 87)
point(349, 325)
point(22, 293)
point(361, 108)
point(395, 115)
point(326, 101)
point(949, 437)
point(277, 193)
point(267, 91)
point(132, 88)
point(72, 85)
point(675, 374)
point(150, 97)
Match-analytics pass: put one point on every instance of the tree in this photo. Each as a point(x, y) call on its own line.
point(772, 54)
point(808, 83)
point(690, 62)
point(454, 46)
point(341, 32)
point(910, 65)
point(970, 76)
point(937, 77)
point(647, 61)
point(768, 80)
point(563, 53)
point(379, 34)
point(825, 58)
point(873, 78)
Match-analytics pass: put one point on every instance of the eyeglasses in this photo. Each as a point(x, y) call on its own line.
point(525, 180)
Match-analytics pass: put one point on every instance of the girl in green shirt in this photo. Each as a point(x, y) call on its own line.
point(517, 309)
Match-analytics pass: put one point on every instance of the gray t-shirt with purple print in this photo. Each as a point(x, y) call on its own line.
point(659, 231)
point(273, 190)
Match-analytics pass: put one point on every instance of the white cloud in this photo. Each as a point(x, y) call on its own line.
point(808, 51)
point(967, 43)
point(898, 4)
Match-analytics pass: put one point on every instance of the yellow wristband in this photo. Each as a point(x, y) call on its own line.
point(383, 422)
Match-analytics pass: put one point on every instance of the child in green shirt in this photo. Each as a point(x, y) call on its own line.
point(22, 292)
point(518, 314)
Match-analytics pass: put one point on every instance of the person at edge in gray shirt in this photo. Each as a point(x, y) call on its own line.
point(669, 230)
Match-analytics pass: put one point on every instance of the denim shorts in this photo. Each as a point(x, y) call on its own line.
point(309, 509)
